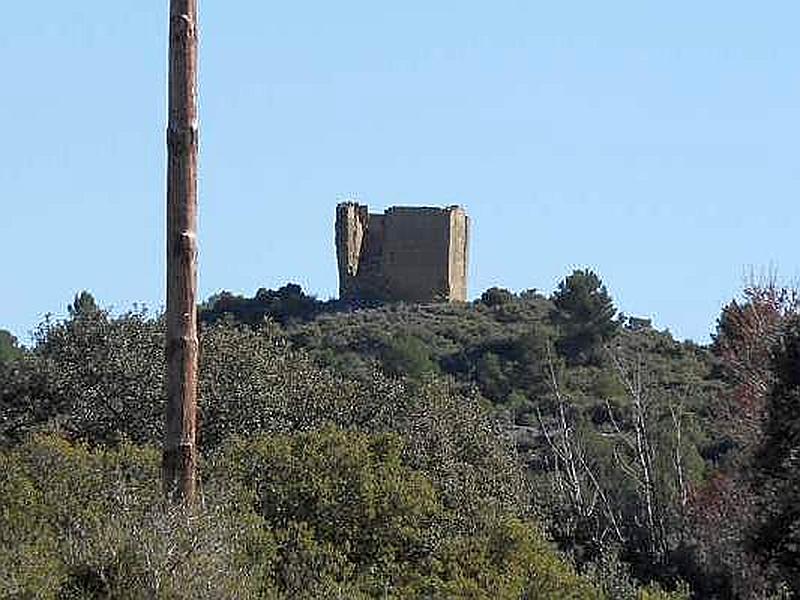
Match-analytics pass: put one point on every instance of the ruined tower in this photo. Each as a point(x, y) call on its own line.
point(406, 254)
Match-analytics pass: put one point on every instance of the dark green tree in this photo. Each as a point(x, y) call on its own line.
point(585, 314)
point(9, 347)
point(83, 305)
point(285, 305)
point(496, 296)
point(777, 466)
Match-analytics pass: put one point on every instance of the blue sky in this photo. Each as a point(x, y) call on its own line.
point(656, 142)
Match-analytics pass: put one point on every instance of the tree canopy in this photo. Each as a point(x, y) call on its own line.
point(462, 450)
point(586, 313)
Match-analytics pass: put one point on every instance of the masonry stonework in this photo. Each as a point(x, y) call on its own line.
point(406, 254)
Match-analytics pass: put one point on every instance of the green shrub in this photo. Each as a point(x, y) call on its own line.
point(321, 514)
point(348, 514)
point(99, 379)
point(409, 356)
point(80, 523)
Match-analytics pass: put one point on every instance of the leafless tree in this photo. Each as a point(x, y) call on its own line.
point(574, 477)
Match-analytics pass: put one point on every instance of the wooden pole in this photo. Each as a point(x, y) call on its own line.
point(180, 453)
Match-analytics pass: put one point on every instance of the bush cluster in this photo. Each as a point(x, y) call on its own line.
point(362, 454)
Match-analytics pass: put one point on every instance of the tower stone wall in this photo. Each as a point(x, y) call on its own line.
point(406, 254)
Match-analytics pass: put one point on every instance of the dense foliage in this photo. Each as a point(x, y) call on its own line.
point(744, 515)
point(9, 347)
point(326, 514)
point(586, 314)
point(777, 465)
point(519, 446)
point(316, 485)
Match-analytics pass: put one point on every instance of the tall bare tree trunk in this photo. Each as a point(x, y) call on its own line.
point(180, 454)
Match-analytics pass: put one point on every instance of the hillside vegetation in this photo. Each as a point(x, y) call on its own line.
point(521, 446)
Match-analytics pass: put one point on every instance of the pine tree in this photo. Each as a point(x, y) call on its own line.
point(585, 313)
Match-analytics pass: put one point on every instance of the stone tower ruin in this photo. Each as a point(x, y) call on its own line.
point(406, 254)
